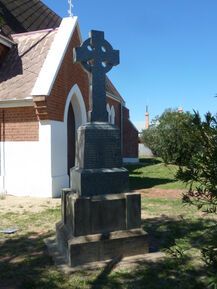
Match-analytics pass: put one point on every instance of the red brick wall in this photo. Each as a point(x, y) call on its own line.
point(130, 137)
point(18, 124)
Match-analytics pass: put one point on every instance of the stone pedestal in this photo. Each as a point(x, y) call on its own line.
point(100, 228)
point(100, 220)
point(92, 182)
point(98, 169)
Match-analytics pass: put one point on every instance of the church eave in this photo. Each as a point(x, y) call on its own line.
point(7, 103)
point(117, 98)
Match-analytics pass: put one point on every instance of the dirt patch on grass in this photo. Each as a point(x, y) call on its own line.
point(27, 204)
point(35, 205)
point(161, 193)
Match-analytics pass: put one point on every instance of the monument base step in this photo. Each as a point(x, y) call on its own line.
point(100, 247)
point(92, 182)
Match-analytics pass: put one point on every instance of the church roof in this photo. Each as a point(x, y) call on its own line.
point(33, 23)
point(110, 88)
point(20, 69)
point(23, 63)
point(25, 15)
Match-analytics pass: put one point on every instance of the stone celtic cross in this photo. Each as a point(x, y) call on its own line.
point(98, 57)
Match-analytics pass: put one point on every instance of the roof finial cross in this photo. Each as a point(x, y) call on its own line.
point(70, 8)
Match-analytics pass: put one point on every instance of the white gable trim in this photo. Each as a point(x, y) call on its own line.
point(53, 61)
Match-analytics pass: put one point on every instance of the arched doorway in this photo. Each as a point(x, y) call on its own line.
point(71, 143)
point(75, 115)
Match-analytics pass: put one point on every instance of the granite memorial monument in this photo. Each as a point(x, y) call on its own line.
point(100, 219)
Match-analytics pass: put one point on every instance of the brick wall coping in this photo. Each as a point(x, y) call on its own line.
point(16, 102)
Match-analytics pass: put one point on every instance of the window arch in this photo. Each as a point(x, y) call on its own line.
point(111, 113)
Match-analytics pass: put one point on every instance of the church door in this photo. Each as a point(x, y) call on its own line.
point(71, 138)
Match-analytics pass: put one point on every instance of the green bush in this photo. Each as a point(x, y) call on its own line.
point(200, 173)
point(169, 139)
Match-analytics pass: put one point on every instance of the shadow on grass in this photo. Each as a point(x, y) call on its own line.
point(137, 183)
point(137, 180)
point(171, 272)
point(24, 263)
point(165, 231)
point(103, 278)
point(150, 161)
point(166, 274)
point(143, 163)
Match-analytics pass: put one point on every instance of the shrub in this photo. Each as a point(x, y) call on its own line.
point(200, 173)
point(169, 137)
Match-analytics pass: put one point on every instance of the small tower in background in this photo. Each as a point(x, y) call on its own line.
point(146, 118)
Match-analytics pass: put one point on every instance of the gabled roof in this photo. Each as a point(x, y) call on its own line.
point(17, 78)
point(110, 88)
point(30, 67)
point(26, 15)
point(23, 63)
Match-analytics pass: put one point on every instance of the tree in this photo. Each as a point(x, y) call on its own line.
point(200, 173)
point(169, 138)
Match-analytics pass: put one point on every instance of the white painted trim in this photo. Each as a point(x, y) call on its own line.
point(53, 61)
point(114, 97)
point(76, 90)
point(130, 160)
point(79, 32)
point(16, 103)
point(58, 144)
point(109, 112)
point(59, 163)
point(112, 115)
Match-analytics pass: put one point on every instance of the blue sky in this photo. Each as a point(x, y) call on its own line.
point(168, 50)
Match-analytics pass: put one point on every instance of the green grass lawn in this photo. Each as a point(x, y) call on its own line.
point(179, 231)
point(153, 173)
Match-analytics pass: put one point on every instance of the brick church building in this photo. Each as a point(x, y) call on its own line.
point(44, 98)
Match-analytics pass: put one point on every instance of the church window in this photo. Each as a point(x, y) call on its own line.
point(111, 114)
